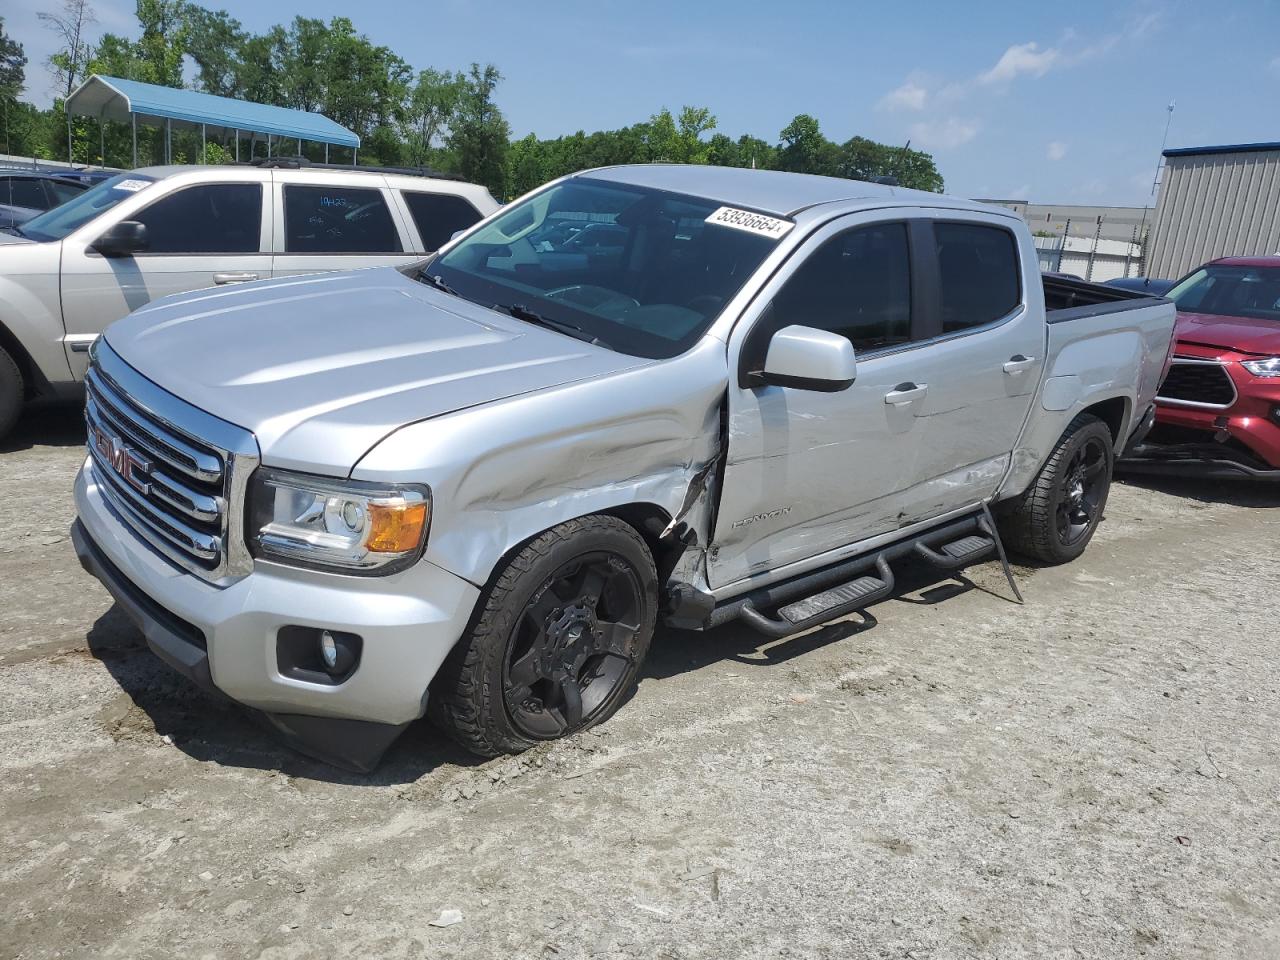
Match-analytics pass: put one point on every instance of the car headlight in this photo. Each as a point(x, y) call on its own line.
point(1269, 367)
point(347, 526)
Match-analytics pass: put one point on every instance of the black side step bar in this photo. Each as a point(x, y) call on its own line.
point(848, 586)
point(828, 605)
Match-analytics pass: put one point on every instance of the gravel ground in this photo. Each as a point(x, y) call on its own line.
point(1092, 774)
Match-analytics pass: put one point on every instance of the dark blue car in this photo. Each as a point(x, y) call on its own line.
point(25, 193)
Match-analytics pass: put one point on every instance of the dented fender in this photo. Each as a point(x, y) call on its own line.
point(503, 472)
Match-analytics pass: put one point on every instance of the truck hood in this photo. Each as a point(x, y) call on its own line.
point(322, 368)
point(1235, 334)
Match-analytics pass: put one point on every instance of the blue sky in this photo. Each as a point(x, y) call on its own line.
point(1051, 102)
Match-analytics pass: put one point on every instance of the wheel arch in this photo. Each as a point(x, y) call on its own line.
point(34, 383)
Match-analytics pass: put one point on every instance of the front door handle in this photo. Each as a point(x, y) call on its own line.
point(1018, 363)
point(236, 277)
point(905, 393)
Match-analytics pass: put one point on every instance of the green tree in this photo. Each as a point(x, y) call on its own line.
point(216, 42)
point(13, 63)
point(805, 150)
point(430, 110)
point(164, 41)
point(480, 135)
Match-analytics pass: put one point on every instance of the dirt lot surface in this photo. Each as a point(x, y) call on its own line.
point(1093, 774)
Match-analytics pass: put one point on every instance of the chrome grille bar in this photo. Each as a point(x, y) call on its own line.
point(152, 437)
point(175, 475)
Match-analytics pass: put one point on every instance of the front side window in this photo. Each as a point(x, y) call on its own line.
point(638, 270)
point(978, 273)
point(438, 216)
point(61, 221)
point(338, 220)
point(1230, 291)
point(209, 218)
point(857, 284)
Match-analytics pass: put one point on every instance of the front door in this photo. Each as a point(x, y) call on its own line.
point(809, 471)
point(198, 236)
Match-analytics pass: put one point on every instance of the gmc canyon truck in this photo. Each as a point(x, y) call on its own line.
point(145, 234)
point(473, 486)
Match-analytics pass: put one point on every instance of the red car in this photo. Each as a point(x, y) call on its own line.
point(1218, 410)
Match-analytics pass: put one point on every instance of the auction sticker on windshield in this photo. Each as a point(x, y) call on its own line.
point(751, 222)
point(133, 186)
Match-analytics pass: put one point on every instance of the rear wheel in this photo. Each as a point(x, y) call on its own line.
point(1054, 520)
point(11, 391)
point(558, 642)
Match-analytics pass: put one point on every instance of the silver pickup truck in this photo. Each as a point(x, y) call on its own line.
point(472, 487)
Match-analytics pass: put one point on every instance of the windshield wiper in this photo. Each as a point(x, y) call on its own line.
point(432, 280)
point(521, 312)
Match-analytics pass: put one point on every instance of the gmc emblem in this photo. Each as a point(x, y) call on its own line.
point(132, 466)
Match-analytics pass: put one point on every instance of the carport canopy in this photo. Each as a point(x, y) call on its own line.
point(111, 98)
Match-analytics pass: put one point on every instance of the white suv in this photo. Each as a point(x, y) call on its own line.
point(148, 233)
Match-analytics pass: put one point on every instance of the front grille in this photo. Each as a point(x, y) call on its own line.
point(1203, 383)
point(171, 472)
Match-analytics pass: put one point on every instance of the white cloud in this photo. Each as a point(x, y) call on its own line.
point(1057, 150)
point(945, 134)
point(909, 96)
point(1019, 59)
point(1274, 65)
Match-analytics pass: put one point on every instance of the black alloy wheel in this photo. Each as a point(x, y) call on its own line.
point(1084, 489)
point(573, 646)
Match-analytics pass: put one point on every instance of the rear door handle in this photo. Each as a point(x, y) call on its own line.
point(905, 393)
point(237, 277)
point(1018, 363)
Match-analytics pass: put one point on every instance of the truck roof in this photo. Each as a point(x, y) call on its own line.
point(770, 191)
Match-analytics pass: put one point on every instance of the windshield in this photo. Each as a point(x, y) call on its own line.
point(1230, 291)
point(637, 270)
point(57, 223)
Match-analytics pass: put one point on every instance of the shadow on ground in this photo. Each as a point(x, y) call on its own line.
point(1235, 491)
point(216, 730)
point(46, 425)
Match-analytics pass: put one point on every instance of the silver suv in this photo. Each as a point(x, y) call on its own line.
point(149, 233)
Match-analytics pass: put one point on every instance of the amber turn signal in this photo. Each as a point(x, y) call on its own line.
point(396, 528)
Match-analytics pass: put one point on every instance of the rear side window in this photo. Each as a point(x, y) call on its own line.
point(338, 220)
point(23, 192)
point(857, 284)
point(438, 216)
point(978, 268)
point(210, 218)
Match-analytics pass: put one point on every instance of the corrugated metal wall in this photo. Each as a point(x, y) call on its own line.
point(1215, 205)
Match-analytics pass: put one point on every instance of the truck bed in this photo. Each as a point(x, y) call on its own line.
point(1071, 299)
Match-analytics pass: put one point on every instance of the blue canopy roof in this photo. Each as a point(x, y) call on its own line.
point(111, 98)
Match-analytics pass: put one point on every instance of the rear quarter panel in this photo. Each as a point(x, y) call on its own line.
point(1119, 354)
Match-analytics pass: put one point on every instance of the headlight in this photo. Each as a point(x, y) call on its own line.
point(343, 525)
point(1263, 368)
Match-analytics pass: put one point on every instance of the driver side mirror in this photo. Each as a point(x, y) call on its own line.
point(809, 359)
point(122, 239)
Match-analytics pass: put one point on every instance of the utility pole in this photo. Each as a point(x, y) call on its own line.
point(1155, 179)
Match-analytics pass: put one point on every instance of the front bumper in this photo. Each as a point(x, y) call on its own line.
point(225, 638)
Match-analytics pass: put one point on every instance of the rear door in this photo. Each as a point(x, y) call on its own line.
point(336, 221)
point(986, 341)
point(200, 235)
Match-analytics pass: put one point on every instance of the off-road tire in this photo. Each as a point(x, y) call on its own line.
point(1028, 524)
point(11, 392)
point(466, 699)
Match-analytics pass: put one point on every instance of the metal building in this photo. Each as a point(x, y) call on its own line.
point(1216, 202)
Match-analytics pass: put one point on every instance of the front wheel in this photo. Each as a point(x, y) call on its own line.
point(1056, 517)
point(557, 643)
